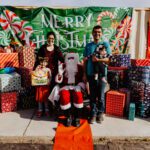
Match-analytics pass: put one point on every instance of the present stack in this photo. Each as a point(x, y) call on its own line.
point(10, 83)
point(26, 64)
point(132, 77)
point(117, 78)
point(15, 69)
point(139, 81)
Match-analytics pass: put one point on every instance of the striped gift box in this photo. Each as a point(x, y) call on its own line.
point(140, 62)
point(9, 60)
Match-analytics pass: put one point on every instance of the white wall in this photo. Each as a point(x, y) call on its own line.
point(138, 38)
point(77, 3)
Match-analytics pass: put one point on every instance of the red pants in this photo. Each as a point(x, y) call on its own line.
point(65, 99)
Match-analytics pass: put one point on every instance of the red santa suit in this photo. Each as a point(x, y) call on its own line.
point(70, 78)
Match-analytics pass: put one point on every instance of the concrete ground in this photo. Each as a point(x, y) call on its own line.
point(23, 127)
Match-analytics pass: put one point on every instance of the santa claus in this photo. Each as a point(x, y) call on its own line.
point(70, 95)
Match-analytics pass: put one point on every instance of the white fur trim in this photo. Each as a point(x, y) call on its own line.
point(58, 81)
point(78, 105)
point(54, 95)
point(64, 107)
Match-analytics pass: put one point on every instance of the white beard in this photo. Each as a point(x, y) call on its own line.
point(71, 70)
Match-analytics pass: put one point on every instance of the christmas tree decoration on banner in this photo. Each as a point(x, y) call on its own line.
point(4, 38)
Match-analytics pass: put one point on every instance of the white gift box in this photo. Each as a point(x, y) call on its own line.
point(10, 82)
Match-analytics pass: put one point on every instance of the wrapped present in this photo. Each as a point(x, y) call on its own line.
point(115, 103)
point(128, 95)
point(117, 68)
point(137, 91)
point(39, 77)
point(131, 115)
point(27, 98)
point(120, 60)
point(25, 76)
point(26, 57)
point(8, 101)
point(9, 60)
point(143, 108)
point(1, 50)
point(139, 73)
point(147, 92)
point(10, 82)
point(140, 62)
point(116, 79)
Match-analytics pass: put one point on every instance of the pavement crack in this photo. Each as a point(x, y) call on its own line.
point(29, 123)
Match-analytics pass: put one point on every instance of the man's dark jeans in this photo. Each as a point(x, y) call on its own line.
point(97, 95)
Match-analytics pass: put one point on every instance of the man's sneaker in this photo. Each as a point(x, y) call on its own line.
point(92, 120)
point(100, 118)
point(68, 121)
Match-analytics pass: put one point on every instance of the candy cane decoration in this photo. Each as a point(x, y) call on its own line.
point(26, 30)
point(10, 21)
point(32, 44)
point(103, 14)
point(4, 38)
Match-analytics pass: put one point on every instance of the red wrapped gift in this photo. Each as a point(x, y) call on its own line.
point(25, 76)
point(9, 60)
point(140, 62)
point(26, 57)
point(123, 71)
point(8, 101)
point(115, 103)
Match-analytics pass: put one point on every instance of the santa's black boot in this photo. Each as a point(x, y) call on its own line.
point(77, 113)
point(68, 117)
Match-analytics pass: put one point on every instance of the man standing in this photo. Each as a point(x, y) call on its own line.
point(97, 87)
